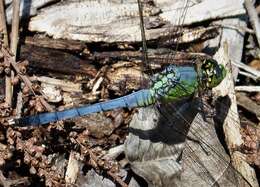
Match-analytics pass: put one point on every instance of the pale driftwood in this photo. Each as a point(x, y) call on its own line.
point(205, 10)
point(238, 160)
point(232, 43)
point(114, 152)
point(27, 8)
point(253, 16)
point(67, 86)
point(73, 168)
point(67, 20)
point(74, 20)
point(247, 88)
point(154, 148)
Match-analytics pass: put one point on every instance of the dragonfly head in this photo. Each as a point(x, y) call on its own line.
point(213, 73)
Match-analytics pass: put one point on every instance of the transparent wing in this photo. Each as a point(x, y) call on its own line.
point(181, 146)
point(203, 153)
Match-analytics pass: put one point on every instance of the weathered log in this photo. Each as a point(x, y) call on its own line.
point(69, 45)
point(56, 61)
point(28, 8)
point(248, 104)
point(56, 20)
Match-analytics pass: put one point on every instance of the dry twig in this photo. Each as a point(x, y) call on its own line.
point(247, 68)
point(24, 78)
point(3, 27)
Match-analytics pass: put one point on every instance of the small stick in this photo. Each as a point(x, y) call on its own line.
point(15, 27)
point(117, 179)
point(253, 18)
point(13, 48)
point(247, 68)
point(248, 88)
point(67, 86)
point(248, 75)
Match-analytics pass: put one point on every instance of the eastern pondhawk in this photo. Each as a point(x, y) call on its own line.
point(173, 84)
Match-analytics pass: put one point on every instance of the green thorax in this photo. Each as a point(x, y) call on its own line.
point(179, 82)
point(175, 83)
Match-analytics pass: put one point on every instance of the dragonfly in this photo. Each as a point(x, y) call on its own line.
point(175, 83)
point(172, 84)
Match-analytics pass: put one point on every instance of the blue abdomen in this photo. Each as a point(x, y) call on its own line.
point(136, 99)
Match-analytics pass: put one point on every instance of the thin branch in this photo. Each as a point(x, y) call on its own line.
point(25, 79)
point(15, 27)
point(3, 28)
point(248, 75)
point(13, 48)
point(253, 18)
point(247, 68)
